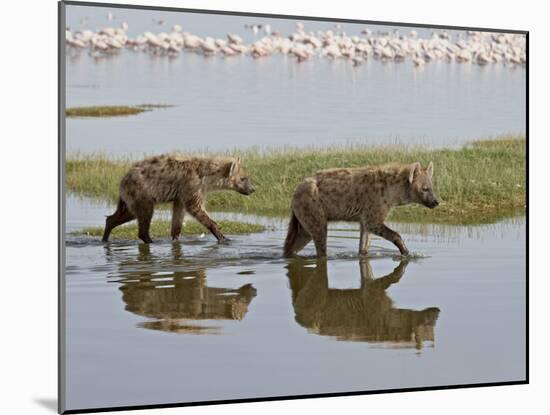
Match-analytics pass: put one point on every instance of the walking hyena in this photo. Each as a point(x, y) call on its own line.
point(365, 195)
point(184, 181)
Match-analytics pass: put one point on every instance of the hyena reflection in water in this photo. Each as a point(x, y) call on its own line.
point(180, 180)
point(365, 195)
point(364, 314)
point(179, 301)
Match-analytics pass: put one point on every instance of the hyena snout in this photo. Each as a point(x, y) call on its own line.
point(430, 201)
point(244, 187)
point(249, 190)
point(433, 203)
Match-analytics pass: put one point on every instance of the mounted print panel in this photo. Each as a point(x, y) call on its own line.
point(258, 207)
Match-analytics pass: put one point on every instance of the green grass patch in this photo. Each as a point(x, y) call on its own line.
point(161, 229)
point(479, 183)
point(112, 110)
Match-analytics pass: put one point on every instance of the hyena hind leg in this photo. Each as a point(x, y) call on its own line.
point(315, 224)
point(302, 239)
point(297, 237)
point(320, 240)
point(121, 216)
point(144, 213)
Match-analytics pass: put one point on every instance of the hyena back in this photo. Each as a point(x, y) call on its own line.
point(365, 195)
point(183, 181)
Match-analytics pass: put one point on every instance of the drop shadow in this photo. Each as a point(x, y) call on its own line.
point(48, 403)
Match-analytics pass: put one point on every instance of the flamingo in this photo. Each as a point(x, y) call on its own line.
point(208, 46)
point(234, 39)
point(480, 48)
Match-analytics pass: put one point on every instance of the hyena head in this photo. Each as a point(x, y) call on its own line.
point(237, 180)
point(420, 182)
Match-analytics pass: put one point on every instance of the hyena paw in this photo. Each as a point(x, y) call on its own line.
point(175, 234)
point(224, 241)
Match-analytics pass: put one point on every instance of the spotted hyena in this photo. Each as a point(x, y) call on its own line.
point(365, 195)
point(182, 181)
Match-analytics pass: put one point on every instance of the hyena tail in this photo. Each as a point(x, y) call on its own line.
point(121, 215)
point(296, 238)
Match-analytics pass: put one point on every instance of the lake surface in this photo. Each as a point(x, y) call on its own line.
point(239, 102)
point(196, 321)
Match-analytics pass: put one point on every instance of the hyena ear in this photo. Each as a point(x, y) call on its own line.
point(234, 166)
point(430, 169)
point(412, 170)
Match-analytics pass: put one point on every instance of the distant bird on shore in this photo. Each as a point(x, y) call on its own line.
point(419, 62)
point(357, 60)
point(255, 27)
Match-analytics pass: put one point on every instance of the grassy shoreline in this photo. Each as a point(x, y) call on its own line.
point(112, 110)
point(160, 228)
point(479, 183)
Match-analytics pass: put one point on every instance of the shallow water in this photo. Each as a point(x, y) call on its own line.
point(226, 103)
point(195, 321)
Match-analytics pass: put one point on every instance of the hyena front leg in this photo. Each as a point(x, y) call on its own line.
point(365, 239)
point(392, 236)
point(201, 215)
point(178, 211)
